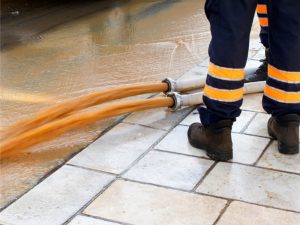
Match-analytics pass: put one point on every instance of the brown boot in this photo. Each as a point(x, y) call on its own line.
point(215, 139)
point(261, 73)
point(286, 130)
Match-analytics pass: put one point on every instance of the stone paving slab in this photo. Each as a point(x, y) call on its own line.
point(195, 73)
point(239, 213)
point(144, 204)
point(259, 125)
point(57, 198)
point(117, 149)
point(259, 55)
point(255, 44)
point(158, 118)
point(255, 185)
point(85, 220)
point(246, 149)
point(176, 141)
point(238, 126)
point(168, 169)
point(274, 160)
point(253, 102)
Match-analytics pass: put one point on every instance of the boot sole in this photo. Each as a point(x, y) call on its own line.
point(283, 148)
point(221, 155)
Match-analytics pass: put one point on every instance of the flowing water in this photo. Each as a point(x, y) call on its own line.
point(59, 52)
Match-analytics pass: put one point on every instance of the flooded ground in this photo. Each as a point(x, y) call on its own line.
point(54, 53)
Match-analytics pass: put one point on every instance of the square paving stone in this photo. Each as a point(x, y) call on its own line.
point(168, 169)
point(239, 213)
point(158, 118)
point(205, 62)
point(85, 220)
point(260, 54)
point(118, 148)
point(176, 141)
point(258, 125)
point(275, 160)
point(255, 44)
point(193, 117)
point(57, 198)
point(255, 185)
point(238, 126)
point(246, 148)
point(253, 102)
point(142, 204)
point(195, 73)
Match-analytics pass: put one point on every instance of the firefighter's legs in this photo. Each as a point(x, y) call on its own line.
point(282, 91)
point(230, 22)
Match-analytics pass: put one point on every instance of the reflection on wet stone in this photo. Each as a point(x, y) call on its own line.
point(63, 51)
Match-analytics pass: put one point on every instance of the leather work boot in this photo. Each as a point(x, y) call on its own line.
point(215, 139)
point(261, 73)
point(286, 130)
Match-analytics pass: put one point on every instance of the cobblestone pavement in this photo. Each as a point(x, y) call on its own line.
point(143, 171)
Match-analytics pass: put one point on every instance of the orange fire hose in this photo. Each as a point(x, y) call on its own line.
point(53, 129)
point(69, 107)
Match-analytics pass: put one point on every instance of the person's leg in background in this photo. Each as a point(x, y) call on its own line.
point(230, 22)
point(262, 72)
point(282, 91)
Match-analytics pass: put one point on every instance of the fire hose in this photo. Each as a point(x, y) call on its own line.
point(65, 117)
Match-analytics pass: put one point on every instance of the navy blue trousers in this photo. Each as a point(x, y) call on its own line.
point(262, 13)
point(230, 23)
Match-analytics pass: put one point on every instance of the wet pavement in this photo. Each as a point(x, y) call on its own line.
point(143, 171)
point(51, 54)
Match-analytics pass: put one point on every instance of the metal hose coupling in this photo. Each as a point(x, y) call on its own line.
point(171, 85)
point(184, 85)
point(185, 100)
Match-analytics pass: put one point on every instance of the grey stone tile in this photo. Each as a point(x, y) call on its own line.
point(252, 64)
point(176, 141)
point(239, 213)
point(141, 204)
point(251, 54)
point(205, 62)
point(238, 126)
point(246, 149)
point(255, 185)
point(158, 118)
point(258, 126)
point(85, 220)
point(242, 121)
point(260, 54)
point(275, 160)
point(255, 44)
point(118, 148)
point(195, 73)
point(57, 198)
point(253, 102)
point(193, 117)
point(169, 170)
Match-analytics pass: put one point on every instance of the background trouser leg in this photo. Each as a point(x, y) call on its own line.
point(230, 22)
point(262, 13)
point(282, 92)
